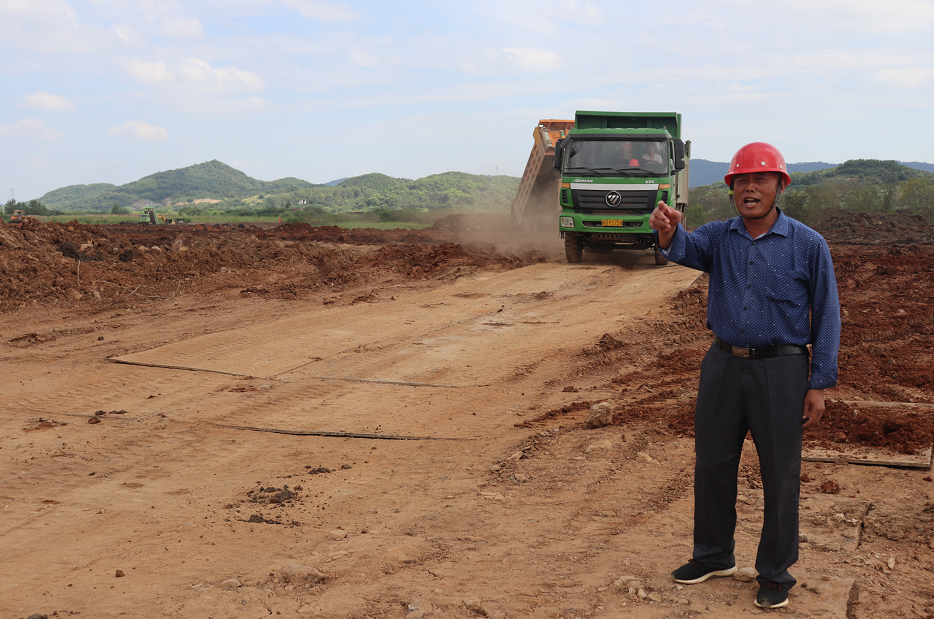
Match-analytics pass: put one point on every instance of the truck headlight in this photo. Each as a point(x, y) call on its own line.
point(567, 222)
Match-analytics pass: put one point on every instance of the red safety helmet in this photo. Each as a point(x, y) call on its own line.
point(757, 157)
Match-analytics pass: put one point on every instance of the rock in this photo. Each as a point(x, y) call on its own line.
point(636, 584)
point(644, 457)
point(181, 244)
point(604, 444)
point(519, 477)
point(655, 597)
point(600, 415)
point(517, 455)
point(418, 609)
point(119, 574)
point(474, 605)
point(745, 574)
point(684, 601)
point(403, 554)
point(623, 582)
point(37, 616)
point(803, 537)
point(495, 496)
point(340, 554)
point(337, 535)
point(740, 498)
point(642, 594)
point(891, 563)
point(495, 468)
point(298, 574)
point(229, 585)
point(74, 294)
point(86, 246)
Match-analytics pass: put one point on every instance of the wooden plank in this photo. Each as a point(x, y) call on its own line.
point(860, 454)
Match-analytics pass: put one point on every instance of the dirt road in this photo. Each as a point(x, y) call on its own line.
point(395, 446)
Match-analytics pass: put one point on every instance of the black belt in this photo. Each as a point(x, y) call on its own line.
point(760, 352)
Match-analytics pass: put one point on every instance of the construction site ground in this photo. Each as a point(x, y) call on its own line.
point(237, 422)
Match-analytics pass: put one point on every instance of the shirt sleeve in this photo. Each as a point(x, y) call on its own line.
point(694, 250)
point(825, 319)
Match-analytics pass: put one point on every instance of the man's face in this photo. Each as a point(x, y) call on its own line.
point(755, 193)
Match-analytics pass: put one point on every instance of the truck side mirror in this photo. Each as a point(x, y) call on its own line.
point(559, 154)
point(679, 155)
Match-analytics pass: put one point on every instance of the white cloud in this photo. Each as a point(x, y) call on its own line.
point(31, 128)
point(141, 130)
point(527, 59)
point(125, 34)
point(37, 8)
point(905, 78)
point(322, 9)
point(46, 101)
point(181, 28)
point(195, 75)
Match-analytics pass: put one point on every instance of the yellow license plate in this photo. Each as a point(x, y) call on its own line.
point(612, 222)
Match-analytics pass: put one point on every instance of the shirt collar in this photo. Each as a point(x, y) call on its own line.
point(779, 227)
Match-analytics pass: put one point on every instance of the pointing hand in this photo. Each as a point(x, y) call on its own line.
point(664, 218)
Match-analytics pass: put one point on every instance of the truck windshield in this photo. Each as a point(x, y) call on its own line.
point(622, 157)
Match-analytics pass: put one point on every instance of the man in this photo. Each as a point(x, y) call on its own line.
point(772, 291)
point(651, 153)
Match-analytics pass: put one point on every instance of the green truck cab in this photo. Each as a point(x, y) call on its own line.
point(614, 168)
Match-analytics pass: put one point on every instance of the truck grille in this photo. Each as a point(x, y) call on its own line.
point(642, 202)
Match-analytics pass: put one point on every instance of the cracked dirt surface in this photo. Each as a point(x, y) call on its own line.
point(507, 507)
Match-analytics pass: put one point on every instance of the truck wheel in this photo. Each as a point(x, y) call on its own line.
point(573, 247)
point(659, 258)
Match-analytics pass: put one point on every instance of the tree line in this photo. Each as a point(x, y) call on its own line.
point(33, 207)
point(808, 202)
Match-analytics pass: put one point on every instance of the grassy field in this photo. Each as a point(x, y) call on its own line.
point(229, 219)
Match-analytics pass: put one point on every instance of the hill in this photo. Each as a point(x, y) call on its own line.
point(918, 165)
point(873, 171)
point(704, 172)
point(380, 192)
point(212, 179)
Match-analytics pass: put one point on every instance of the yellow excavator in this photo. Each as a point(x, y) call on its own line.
point(17, 218)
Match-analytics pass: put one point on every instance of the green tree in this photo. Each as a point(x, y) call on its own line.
point(119, 210)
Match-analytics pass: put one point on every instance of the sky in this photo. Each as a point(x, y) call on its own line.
point(109, 91)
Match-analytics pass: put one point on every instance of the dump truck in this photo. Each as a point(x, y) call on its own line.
point(608, 171)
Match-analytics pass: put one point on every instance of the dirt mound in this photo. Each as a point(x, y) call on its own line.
point(858, 228)
point(885, 352)
point(101, 265)
point(898, 430)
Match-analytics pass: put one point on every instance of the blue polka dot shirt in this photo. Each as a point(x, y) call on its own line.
point(777, 289)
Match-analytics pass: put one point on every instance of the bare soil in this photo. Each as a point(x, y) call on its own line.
point(364, 423)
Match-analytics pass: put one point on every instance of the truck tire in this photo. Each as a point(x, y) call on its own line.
point(573, 247)
point(660, 260)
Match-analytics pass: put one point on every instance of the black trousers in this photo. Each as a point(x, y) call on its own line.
point(766, 397)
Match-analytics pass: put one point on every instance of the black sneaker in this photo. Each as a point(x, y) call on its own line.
point(771, 595)
point(694, 572)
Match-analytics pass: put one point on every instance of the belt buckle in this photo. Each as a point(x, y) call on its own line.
point(741, 352)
